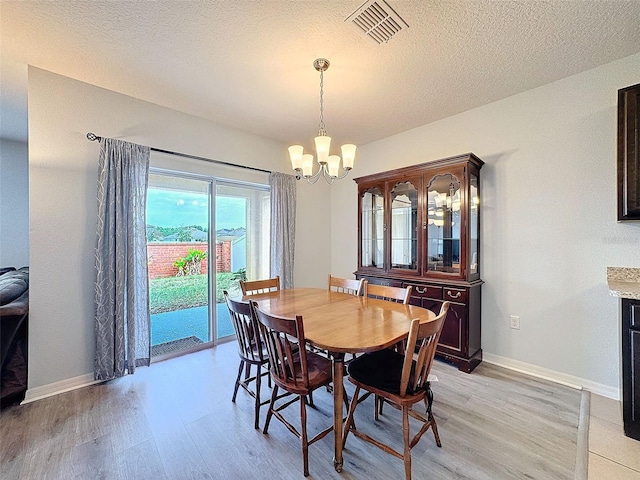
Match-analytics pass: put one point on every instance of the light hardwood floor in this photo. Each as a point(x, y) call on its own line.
point(175, 420)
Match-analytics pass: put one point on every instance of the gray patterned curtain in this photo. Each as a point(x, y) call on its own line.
point(122, 323)
point(283, 226)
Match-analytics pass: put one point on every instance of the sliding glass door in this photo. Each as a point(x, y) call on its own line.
point(241, 242)
point(204, 235)
point(178, 251)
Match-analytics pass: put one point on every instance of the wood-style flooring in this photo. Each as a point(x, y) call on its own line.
point(175, 420)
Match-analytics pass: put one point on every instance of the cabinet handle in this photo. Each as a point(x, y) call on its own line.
point(424, 290)
point(452, 295)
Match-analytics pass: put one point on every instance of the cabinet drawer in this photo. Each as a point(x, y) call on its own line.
point(455, 295)
point(428, 291)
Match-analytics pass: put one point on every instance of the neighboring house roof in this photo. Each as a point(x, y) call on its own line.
point(231, 232)
point(223, 234)
point(199, 235)
point(196, 235)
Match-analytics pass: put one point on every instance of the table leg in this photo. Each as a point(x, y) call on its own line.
point(338, 392)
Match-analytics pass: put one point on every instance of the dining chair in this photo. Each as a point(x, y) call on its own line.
point(401, 380)
point(260, 286)
point(346, 285)
point(343, 285)
point(293, 369)
point(251, 351)
point(387, 292)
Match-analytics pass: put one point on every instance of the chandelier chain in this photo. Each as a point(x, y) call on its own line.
point(321, 127)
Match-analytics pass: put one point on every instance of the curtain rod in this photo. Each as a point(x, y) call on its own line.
point(93, 137)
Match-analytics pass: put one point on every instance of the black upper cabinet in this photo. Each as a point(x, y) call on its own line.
point(629, 153)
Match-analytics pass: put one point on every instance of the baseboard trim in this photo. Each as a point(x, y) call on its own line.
point(552, 375)
point(62, 386)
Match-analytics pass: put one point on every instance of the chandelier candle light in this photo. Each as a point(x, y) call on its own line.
point(302, 162)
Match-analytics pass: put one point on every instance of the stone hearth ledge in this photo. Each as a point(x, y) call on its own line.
point(624, 282)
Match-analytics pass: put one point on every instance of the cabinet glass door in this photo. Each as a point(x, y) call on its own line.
point(443, 224)
point(404, 223)
point(474, 225)
point(372, 212)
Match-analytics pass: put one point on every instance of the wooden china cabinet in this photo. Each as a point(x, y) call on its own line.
point(420, 226)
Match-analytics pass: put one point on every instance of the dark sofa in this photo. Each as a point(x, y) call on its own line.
point(14, 329)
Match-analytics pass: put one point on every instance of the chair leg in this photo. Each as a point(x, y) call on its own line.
point(407, 447)
point(434, 427)
point(428, 399)
point(235, 389)
point(349, 422)
point(274, 394)
point(257, 412)
point(345, 399)
point(305, 442)
point(428, 402)
point(378, 403)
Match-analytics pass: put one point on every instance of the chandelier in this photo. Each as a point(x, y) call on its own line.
point(329, 169)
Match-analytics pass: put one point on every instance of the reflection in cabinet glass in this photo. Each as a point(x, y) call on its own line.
point(443, 203)
point(474, 222)
point(372, 228)
point(404, 226)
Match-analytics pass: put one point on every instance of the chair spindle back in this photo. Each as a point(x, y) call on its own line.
point(286, 346)
point(260, 286)
point(346, 285)
point(246, 328)
point(386, 292)
point(421, 348)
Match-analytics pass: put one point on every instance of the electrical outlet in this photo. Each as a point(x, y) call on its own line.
point(514, 322)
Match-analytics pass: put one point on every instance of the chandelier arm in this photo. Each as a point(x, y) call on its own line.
point(346, 172)
point(328, 178)
point(314, 178)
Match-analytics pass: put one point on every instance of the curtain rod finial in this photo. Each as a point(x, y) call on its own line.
point(92, 136)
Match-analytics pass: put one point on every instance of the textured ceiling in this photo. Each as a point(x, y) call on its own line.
point(248, 64)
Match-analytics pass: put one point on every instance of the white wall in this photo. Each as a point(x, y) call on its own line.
point(313, 221)
point(14, 204)
point(62, 176)
point(548, 221)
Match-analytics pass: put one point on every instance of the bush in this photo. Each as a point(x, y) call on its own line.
point(191, 264)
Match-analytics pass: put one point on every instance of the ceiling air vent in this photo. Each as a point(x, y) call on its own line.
point(377, 20)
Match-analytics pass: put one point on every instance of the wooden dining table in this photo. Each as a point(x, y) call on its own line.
point(341, 323)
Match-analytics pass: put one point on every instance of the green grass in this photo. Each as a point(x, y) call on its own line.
point(176, 293)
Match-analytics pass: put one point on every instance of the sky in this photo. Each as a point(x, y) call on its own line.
point(166, 208)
